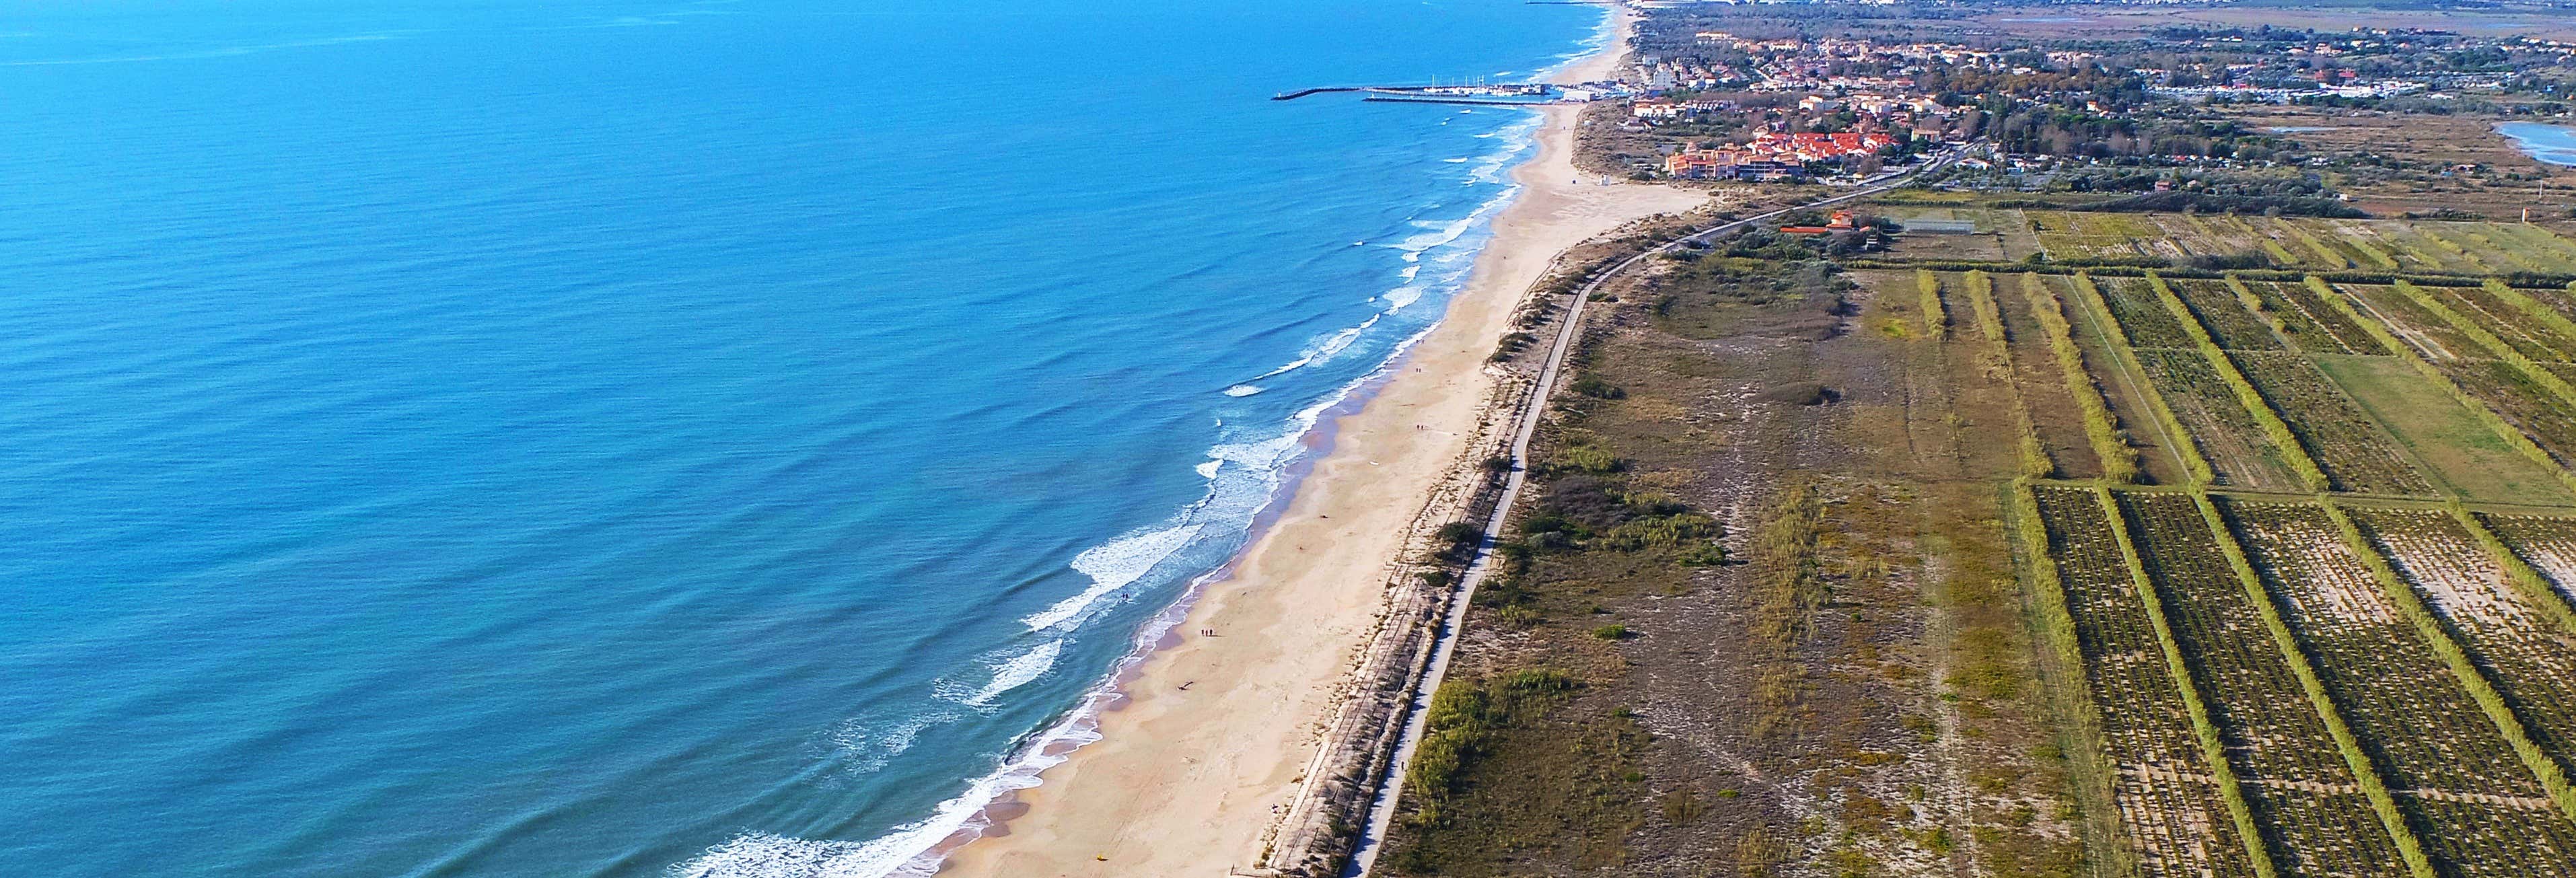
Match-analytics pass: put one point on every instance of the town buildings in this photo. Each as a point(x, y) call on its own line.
point(1773, 155)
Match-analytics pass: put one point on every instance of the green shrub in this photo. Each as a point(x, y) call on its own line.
point(1663, 532)
point(1457, 541)
point(1592, 459)
point(1596, 388)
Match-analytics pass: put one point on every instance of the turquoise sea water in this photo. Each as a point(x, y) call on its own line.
point(599, 438)
point(2554, 144)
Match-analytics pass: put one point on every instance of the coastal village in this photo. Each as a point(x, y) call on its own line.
point(1782, 102)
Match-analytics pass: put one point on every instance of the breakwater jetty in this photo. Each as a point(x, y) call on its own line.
point(1293, 95)
point(1477, 93)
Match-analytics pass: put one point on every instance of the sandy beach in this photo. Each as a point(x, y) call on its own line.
point(1184, 781)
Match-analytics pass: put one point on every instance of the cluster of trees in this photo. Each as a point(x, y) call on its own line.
point(2209, 202)
point(2207, 181)
point(2040, 129)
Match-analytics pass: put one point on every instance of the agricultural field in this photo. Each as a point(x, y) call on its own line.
point(2457, 248)
point(2225, 433)
point(2547, 544)
point(2425, 331)
point(2384, 684)
point(2219, 309)
point(2495, 248)
point(2531, 335)
point(2103, 236)
point(2377, 252)
point(2144, 319)
point(2067, 542)
point(2427, 247)
point(2167, 803)
point(2561, 301)
point(2312, 324)
point(2510, 393)
point(2420, 247)
point(2517, 639)
point(2301, 792)
point(2346, 442)
point(2313, 247)
point(1986, 244)
point(2479, 808)
point(2455, 448)
point(2315, 682)
point(2058, 417)
point(2551, 252)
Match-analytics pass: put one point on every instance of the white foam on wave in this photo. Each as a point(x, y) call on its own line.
point(1112, 566)
point(1435, 234)
point(1208, 470)
point(1341, 341)
point(1490, 171)
point(871, 747)
point(1303, 358)
point(905, 851)
point(1401, 296)
point(1017, 671)
point(763, 855)
point(1455, 161)
point(1319, 351)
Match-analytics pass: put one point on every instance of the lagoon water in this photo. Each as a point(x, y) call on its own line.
point(2554, 144)
point(612, 438)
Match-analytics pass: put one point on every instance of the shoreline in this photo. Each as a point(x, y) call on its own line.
point(1187, 780)
point(2541, 148)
